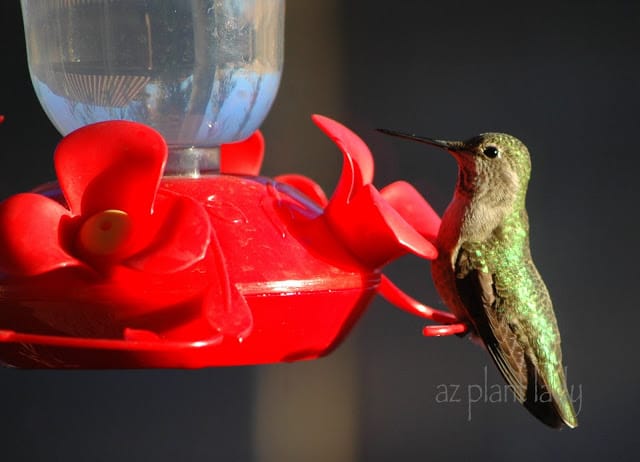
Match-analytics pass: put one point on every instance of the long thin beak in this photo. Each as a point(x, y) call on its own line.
point(453, 146)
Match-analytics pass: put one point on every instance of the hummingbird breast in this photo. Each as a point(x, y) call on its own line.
point(471, 219)
point(448, 244)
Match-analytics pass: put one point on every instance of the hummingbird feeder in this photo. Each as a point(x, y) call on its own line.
point(160, 245)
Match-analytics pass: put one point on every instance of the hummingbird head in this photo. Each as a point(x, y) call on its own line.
point(492, 165)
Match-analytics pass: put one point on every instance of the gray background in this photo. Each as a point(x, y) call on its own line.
point(562, 76)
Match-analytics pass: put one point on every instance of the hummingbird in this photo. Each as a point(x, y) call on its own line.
point(485, 274)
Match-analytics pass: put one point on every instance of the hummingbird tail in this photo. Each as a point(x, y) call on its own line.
point(552, 408)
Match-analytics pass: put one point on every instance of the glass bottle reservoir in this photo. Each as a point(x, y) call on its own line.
point(201, 72)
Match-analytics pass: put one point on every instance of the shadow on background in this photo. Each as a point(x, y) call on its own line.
point(562, 76)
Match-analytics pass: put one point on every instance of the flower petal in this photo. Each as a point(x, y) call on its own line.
point(111, 165)
point(244, 157)
point(357, 169)
point(375, 232)
point(306, 186)
point(367, 224)
point(179, 235)
point(411, 206)
point(30, 235)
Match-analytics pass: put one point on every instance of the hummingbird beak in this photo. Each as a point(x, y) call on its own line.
point(451, 146)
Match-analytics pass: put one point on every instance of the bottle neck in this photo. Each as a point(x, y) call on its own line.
point(192, 161)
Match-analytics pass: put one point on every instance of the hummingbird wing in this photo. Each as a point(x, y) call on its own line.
point(502, 336)
point(477, 292)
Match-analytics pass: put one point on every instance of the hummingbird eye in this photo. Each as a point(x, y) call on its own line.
point(491, 152)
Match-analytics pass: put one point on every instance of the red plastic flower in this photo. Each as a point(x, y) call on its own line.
point(376, 226)
point(115, 214)
point(121, 269)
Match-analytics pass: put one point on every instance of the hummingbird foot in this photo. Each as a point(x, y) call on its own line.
point(394, 295)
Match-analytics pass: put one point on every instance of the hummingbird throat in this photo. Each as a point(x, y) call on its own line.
point(466, 175)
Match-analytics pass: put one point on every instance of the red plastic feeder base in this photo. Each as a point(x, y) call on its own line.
point(121, 268)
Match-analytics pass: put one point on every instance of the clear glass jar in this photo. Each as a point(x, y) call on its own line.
point(202, 72)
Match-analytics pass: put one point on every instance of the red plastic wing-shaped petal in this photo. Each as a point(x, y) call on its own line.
point(367, 224)
point(244, 157)
point(413, 208)
point(180, 238)
point(30, 237)
point(111, 165)
point(357, 169)
point(375, 232)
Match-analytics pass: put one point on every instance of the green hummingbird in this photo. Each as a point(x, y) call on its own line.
point(485, 274)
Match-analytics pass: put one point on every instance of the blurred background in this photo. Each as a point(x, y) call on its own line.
point(562, 76)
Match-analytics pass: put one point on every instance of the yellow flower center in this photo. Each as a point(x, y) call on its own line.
point(105, 232)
